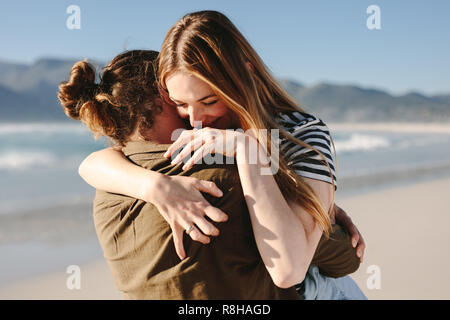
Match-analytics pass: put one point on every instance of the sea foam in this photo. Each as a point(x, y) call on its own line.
point(29, 128)
point(22, 160)
point(361, 142)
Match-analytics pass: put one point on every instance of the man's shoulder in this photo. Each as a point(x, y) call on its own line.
point(106, 198)
point(143, 146)
point(151, 156)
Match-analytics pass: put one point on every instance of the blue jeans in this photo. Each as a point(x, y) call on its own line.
point(319, 287)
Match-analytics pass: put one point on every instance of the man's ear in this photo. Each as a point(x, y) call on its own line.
point(158, 101)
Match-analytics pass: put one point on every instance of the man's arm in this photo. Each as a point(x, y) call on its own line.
point(336, 257)
point(344, 220)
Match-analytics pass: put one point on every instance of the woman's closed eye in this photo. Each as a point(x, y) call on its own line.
point(204, 103)
point(209, 103)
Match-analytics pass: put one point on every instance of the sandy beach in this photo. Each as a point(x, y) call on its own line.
point(405, 229)
point(96, 284)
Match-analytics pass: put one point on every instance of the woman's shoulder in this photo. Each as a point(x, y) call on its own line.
point(313, 131)
point(295, 121)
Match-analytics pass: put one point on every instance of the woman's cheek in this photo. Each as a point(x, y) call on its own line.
point(220, 110)
point(182, 112)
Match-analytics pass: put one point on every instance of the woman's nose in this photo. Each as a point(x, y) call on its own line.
point(196, 116)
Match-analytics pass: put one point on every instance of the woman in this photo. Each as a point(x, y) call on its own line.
point(215, 78)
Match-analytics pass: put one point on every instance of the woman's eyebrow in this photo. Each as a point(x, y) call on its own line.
point(206, 97)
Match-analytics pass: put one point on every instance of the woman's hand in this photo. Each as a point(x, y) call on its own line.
point(345, 221)
point(203, 141)
point(177, 198)
point(180, 202)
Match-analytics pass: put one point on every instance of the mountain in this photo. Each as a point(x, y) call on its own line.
point(28, 93)
point(338, 103)
point(443, 98)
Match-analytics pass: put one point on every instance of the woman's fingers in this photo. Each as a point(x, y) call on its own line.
point(196, 235)
point(215, 214)
point(204, 150)
point(199, 231)
point(208, 187)
point(187, 149)
point(206, 227)
point(185, 137)
point(177, 232)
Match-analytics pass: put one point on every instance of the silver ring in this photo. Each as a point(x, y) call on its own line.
point(189, 229)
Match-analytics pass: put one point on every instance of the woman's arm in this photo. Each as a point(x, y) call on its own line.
point(177, 198)
point(109, 170)
point(285, 233)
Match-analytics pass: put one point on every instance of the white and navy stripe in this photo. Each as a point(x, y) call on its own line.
point(313, 131)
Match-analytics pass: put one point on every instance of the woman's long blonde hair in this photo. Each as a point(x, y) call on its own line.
point(208, 45)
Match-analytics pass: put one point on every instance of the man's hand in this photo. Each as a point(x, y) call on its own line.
point(356, 238)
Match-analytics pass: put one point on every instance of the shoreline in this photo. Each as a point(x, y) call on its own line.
point(413, 127)
point(8, 127)
point(363, 184)
point(405, 228)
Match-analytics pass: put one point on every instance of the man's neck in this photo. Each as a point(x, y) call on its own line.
point(161, 131)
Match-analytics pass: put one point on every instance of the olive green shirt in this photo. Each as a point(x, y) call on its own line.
point(138, 243)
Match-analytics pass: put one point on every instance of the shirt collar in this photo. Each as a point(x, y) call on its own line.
point(135, 147)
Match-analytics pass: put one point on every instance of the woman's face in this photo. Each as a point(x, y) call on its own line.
point(195, 99)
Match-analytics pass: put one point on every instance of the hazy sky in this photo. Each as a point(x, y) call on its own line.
point(308, 41)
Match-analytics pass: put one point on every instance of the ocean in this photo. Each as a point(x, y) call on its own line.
point(39, 162)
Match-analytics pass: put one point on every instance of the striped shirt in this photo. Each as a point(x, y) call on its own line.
point(305, 161)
